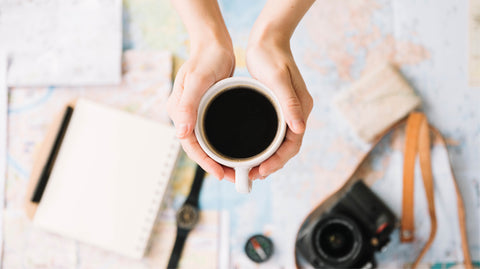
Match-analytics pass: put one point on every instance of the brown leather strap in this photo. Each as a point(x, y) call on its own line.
point(407, 228)
point(460, 206)
point(427, 176)
point(423, 142)
point(418, 121)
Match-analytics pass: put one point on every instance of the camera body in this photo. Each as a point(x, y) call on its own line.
point(346, 229)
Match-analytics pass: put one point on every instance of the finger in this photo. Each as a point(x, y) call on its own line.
point(180, 79)
point(302, 92)
point(254, 173)
point(229, 174)
point(195, 152)
point(281, 84)
point(176, 93)
point(195, 85)
point(287, 150)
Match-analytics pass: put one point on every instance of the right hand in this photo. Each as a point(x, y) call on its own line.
point(207, 64)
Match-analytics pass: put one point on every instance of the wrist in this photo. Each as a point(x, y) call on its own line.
point(214, 36)
point(204, 22)
point(269, 33)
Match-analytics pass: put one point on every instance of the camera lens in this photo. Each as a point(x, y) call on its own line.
point(338, 240)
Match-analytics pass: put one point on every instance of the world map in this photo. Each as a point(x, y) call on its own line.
point(336, 43)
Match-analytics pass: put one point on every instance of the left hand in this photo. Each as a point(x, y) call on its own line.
point(271, 62)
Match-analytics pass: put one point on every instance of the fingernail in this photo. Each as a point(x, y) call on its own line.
point(298, 125)
point(220, 176)
point(182, 130)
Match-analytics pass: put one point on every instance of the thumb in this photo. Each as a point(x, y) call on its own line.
point(195, 86)
point(291, 106)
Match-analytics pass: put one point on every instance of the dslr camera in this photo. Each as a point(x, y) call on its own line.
point(346, 229)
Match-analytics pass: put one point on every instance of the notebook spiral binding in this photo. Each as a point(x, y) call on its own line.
point(144, 240)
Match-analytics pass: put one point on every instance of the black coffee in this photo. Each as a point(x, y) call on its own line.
point(240, 123)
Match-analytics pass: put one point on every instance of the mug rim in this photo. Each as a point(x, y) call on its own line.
point(224, 85)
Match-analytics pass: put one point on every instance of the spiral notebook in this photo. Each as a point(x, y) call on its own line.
point(108, 180)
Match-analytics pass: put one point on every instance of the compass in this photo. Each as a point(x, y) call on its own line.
point(259, 248)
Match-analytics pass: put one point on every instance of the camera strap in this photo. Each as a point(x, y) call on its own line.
point(417, 140)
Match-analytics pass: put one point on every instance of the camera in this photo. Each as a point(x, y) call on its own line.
point(346, 229)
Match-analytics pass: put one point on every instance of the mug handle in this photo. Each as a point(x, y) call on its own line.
point(242, 183)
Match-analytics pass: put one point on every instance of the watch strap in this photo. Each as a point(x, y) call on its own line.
point(196, 186)
point(177, 248)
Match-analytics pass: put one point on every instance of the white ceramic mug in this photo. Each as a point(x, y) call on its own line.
point(242, 166)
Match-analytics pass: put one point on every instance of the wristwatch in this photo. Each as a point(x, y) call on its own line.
point(187, 218)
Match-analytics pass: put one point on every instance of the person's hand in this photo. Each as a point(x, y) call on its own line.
point(270, 61)
point(208, 63)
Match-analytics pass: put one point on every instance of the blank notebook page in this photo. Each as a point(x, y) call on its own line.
point(108, 179)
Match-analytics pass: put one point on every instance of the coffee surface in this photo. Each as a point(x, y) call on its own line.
point(240, 123)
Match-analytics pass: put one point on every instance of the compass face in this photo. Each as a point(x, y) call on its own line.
point(187, 217)
point(259, 248)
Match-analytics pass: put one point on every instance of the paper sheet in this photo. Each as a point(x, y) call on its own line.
point(3, 137)
point(105, 165)
point(474, 57)
point(62, 42)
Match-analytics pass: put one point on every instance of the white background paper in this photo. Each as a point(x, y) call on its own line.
point(62, 42)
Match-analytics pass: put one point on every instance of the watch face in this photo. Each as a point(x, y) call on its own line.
point(187, 217)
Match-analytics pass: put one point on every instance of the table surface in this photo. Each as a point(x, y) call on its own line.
point(335, 44)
